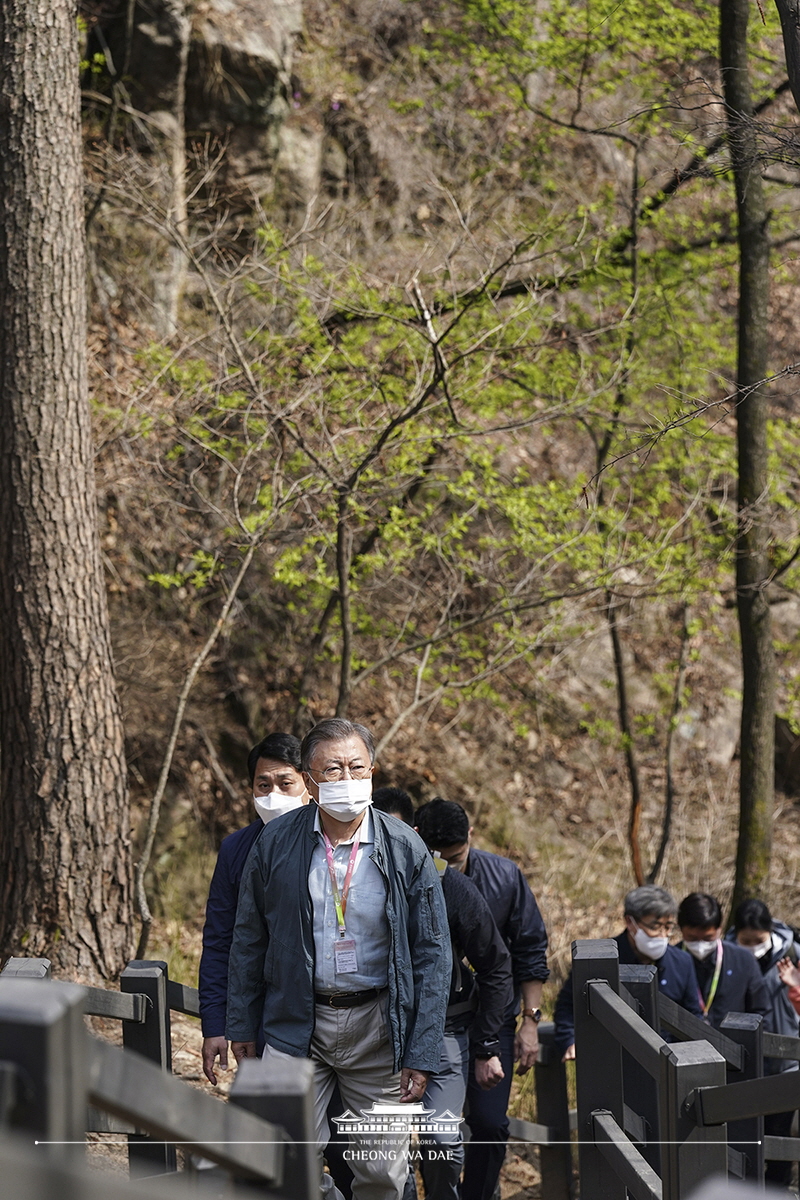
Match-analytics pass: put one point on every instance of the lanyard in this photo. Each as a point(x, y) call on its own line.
point(705, 1005)
point(340, 901)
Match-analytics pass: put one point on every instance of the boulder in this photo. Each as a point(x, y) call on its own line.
point(236, 79)
point(240, 60)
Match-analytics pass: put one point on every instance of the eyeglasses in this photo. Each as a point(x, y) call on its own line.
point(658, 928)
point(339, 771)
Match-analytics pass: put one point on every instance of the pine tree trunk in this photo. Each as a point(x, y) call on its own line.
point(64, 820)
point(757, 772)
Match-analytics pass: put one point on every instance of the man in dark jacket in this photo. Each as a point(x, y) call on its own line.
point(728, 977)
point(273, 766)
point(444, 827)
point(649, 920)
point(340, 951)
point(278, 787)
point(480, 995)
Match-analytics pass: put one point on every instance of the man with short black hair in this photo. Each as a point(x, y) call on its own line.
point(273, 767)
point(444, 827)
point(649, 913)
point(340, 949)
point(480, 995)
point(395, 802)
point(727, 976)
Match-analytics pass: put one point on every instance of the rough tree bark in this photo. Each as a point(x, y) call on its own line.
point(65, 887)
point(757, 770)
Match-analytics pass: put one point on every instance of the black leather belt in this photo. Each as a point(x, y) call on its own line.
point(346, 999)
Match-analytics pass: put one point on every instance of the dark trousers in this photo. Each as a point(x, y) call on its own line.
point(488, 1125)
point(777, 1172)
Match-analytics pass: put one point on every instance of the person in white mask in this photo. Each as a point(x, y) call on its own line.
point(341, 954)
point(277, 785)
point(771, 942)
point(649, 913)
point(728, 976)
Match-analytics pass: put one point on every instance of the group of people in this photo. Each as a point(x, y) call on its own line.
point(751, 968)
point(346, 927)
point(408, 965)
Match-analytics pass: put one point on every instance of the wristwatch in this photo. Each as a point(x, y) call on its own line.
point(535, 1014)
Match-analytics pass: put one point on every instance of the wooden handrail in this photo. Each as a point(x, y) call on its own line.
point(182, 998)
point(690, 1028)
point(121, 1006)
point(138, 1091)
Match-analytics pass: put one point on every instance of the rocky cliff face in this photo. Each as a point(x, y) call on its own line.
point(237, 77)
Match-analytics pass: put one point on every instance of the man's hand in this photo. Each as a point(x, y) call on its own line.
point(526, 1045)
point(412, 1085)
point(212, 1047)
point(569, 1054)
point(243, 1050)
point(488, 1072)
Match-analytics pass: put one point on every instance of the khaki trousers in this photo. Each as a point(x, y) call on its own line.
point(353, 1046)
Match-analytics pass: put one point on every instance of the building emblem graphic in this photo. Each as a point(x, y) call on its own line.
point(398, 1118)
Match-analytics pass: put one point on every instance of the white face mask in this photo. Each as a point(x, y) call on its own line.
point(275, 805)
point(761, 948)
point(650, 947)
point(701, 950)
point(346, 799)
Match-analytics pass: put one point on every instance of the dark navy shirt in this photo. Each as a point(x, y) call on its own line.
point(475, 936)
point(223, 896)
point(516, 913)
point(741, 987)
point(513, 906)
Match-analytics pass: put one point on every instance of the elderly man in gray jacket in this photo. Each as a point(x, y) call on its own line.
point(341, 953)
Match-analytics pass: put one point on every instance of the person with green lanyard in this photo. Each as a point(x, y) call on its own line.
point(728, 977)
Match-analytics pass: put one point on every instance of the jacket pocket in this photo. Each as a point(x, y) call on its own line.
point(433, 923)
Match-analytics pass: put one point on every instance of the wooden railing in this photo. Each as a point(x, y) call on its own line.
point(57, 1082)
point(656, 1119)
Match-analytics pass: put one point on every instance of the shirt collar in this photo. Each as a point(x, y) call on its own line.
point(364, 829)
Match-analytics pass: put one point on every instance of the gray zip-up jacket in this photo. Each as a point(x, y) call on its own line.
point(271, 967)
point(781, 1017)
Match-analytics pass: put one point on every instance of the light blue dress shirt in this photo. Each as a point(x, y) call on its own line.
point(365, 915)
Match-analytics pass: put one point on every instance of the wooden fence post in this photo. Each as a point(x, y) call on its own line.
point(27, 968)
point(152, 1039)
point(598, 1067)
point(689, 1153)
point(42, 1033)
point(552, 1109)
point(640, 1089)
point(746, 1138)
point(283, 1094)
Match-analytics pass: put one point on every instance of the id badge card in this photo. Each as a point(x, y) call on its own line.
point(344, 954)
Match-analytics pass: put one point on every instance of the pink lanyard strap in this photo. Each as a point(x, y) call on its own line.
point(340, 901)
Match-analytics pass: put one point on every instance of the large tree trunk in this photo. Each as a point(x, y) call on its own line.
point(65, 887)
point(789, 13)
point(757, 772)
